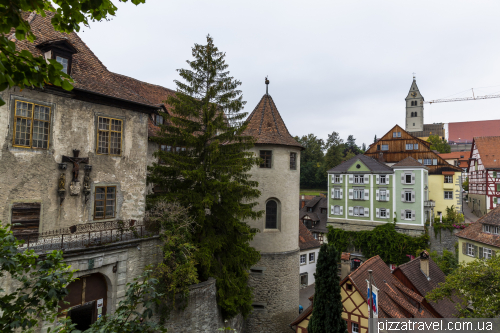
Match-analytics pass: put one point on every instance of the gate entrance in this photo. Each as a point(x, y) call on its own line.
point(87, 300)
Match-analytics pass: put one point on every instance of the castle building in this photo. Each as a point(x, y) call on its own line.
point(415, 116)
point(275, 278)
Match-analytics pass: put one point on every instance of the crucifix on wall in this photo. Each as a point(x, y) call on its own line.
point(75, 160)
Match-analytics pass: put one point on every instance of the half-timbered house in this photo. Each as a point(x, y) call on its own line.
point(484, 175)
point(445, 181)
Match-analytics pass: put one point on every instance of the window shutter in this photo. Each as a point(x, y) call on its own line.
point(475, 251)
point(333, 191)
point(351, 178)
point(341, 210)
point(412, 178)
point(464, 248)
point(341, 178)
point(377, 193)
point(367, 194)
point(377, 212)
point(480, 253)
point(377, 180)
point(412, 196)
point(333, 179)
point(413, 215)
point(350, 211)
point(402, 214)
point(388, 179)
point(387, 195)
point(388, 213)
point(367, 179)
point(332, 209)
point(25, 217)
point(402, 178)
point(341, 193)
point(367, 212)
point(350, 193)
point(402, 195)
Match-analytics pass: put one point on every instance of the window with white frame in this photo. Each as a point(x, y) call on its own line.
point(336, 178)
point(383, 195)
point(383, 179)
point(408, 178)
point(396, 134)
point(355, 328)
point(315, 235)
point(383, 213)
point(358, 194)
point(407, 214)
point(336, 210)
point(448, 194)
point(448, 179)
point(490, 229)
point(409, 146)
point(427, 161)
point(311, 256)
point(336, 193)
point(486, 253)
point(407, 196)
point(385, 147)
point(359, 211)
point(302, 259)
point(359, 179)
point(434, 161)
point(470, 250)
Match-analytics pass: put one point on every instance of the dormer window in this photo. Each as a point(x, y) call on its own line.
point(63, 62)
point(158, 120)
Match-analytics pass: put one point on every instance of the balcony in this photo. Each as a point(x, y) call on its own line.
point(429, 203)
point(83, 236)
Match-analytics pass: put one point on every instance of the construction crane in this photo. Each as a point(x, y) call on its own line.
point(473, 98)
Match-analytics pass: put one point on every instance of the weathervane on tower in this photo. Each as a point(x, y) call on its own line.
point(414, 75)
point(267, 85)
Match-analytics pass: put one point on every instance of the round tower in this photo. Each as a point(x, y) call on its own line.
point(414, 109)
point(275, 278)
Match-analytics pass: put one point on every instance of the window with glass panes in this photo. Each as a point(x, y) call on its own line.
point(337, 178)
point(408, 196)
point(311, 257)
point(105, 202)
point(359, 179)
point(109, 136)
point(303, 259)
point(359, 211)
point(383, 195)
point(358, 194)
point(266, 156)
point(470, 250)
point(293, 161)
point(336, 210)
point(336, 193)
point(448, 194)
point(408, 214)
point(486, 253)
point(448, 179)
point(63, 62)
point(271, 214)
point(31, 125)
point(383, 213)
point(383, 179)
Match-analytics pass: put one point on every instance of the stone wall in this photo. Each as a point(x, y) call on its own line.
point(444, 240)
point(202, 313)
point(275, 280)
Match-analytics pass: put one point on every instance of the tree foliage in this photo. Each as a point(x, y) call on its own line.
point(447, 262)
point(20, 68)
point(327, 304)
point(383, 240)
point(477, 284)
point(465, 184)
point(312, 168)
point(38, 285)
point(211, 176)
point(439, 144)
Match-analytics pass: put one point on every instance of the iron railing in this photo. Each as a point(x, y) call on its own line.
point(86, 235)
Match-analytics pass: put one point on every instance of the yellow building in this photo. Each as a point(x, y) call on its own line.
point(392, 297)
point(480, 240)
point(445, 190)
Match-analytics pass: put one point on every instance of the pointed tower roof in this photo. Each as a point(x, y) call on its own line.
point(414, 92)
point(266, 125)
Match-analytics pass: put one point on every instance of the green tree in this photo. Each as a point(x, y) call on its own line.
point(134, 313)
point(439, 144)
point(465, 184)
point(375, 138)
point(38, 285)
point(20, 68)
point(334, 151)
point(327, 305)
point(363, 147)
point(351, 147)
point(312, 167)
point(211, 176)
point(447, 262)
point(477, 284)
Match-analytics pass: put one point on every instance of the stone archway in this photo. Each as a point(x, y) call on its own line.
point(87, 300)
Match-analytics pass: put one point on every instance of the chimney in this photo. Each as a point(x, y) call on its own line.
point(303, 202)
point(424, 263)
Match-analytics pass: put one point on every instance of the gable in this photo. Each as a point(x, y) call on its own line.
point(362, 167)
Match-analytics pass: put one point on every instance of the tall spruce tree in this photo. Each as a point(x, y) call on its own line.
point(211, 176)
point(327, 303)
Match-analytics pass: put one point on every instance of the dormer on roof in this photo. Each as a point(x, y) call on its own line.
point(60, 50)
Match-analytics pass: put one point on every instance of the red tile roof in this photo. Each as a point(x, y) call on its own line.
point(468, 130)
point(489, 150)
point(266, 125)
point(456, 155)
point(475, 232)
point(410, 162)
point(306, 239)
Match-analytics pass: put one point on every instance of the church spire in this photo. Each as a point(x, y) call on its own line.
point(414, 108)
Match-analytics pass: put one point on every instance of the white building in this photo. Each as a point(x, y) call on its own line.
point(309, 251)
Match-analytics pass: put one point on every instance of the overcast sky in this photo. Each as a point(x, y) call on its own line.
point(342, 66)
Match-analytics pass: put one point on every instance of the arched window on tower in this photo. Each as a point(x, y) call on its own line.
point(271, 214)
point(415, 114)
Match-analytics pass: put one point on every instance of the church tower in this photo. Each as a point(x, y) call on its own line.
point(275, 278)
point(414, 109)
